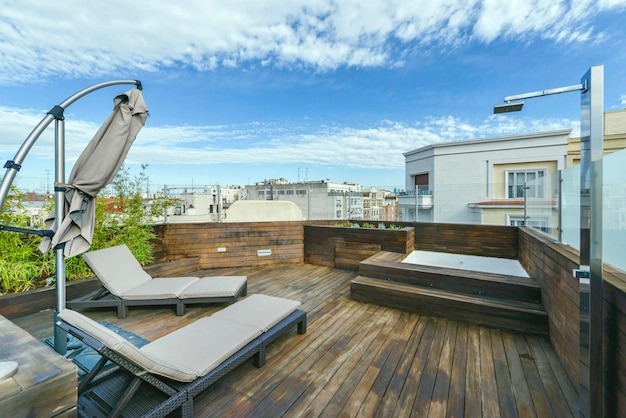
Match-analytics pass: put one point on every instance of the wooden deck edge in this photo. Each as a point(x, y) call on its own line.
point(381, 266)
point(482, 311)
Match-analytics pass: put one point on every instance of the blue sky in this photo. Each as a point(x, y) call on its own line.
point(243, 91)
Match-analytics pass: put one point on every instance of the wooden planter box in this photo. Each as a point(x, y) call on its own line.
point(346, 247)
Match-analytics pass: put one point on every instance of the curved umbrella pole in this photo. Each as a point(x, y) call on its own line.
point(14, 165)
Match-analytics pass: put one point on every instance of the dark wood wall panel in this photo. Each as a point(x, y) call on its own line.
point(346, 247)
point(241, 242)
point(614, 289)
point(552, 265)
point(482, 240)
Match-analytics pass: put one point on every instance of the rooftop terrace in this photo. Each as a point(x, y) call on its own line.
point(366, 359)
point(363, 359)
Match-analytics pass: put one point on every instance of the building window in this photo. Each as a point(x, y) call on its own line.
point(534, 180)
point(280, 192)
point(301, 192)
point(338, 215)
point(538, 223)
point(261, 192)
point(289, 191)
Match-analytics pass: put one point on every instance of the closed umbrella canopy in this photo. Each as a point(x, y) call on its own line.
point(95, 169)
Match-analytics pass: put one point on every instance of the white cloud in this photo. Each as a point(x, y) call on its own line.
point(379, 146)
point(39, 40)
point(623, 99)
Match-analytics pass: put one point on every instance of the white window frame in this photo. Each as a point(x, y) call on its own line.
point(539, 223)
point(533, 191)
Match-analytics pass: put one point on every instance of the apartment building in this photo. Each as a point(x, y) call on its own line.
point(482, 181)
point(324, 199)
point(205, 200)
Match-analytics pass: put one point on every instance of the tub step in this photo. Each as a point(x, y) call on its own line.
point(513, 315)
point(388, 266)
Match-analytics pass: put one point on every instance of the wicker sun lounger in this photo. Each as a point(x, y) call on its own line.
point(125, 283)
point(169, 372)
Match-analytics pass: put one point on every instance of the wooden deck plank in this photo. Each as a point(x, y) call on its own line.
point(421, 405)
point(569, 391)
point(438, 401)
point(316, 394)
point(362, 377)
point(363, 359)
point(489, 388)
point(535, 385)
point(409, 392)
point(506, 398)
point(456, 395)
point(554, 393)
point(387, 363)
point(523, 399)
point(320, 368)
point(394, 390)
point(473, 378)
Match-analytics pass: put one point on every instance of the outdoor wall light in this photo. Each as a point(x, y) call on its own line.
point(513, 103)
point(508, 107)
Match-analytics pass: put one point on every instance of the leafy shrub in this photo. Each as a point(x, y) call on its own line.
point(121, 219)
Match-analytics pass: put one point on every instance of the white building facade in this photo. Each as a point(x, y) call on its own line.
point(326, 200)
point(480, 181)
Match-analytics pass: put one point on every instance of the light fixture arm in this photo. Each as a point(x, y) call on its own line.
point(558, 90)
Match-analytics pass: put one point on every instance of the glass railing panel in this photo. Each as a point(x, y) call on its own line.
point(614, 210)
point(542, 205)
point(570, 206)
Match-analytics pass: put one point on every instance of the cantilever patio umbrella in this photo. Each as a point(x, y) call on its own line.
point(95, 168)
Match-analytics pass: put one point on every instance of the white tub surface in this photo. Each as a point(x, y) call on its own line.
point(467, 262)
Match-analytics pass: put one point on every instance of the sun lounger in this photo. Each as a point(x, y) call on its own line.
point(125, 283)
point(167, 374)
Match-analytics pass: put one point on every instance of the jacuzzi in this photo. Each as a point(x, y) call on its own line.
point(467, 262)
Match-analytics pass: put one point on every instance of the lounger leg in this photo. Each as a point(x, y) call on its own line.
point(126, 397)
point(302, 326)
point(86, 379)
point(180, 309)
point(244, 292)
point(259, 358)
point(186, 409)
point(122, 311)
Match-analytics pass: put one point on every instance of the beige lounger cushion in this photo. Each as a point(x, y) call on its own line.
point(218, 286)
point(117, 343)
point(259, 311)
point(195, 349)
point(117, 268)
point(202, 345)
point(122, 275)
point(161, 288)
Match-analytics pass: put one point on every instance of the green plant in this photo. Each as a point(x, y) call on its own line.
point(344, 224)
point(122, 218)
point(396, 227)
point(368, 225)
point(21, 263)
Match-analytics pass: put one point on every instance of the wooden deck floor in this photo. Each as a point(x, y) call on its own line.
point(360, 359)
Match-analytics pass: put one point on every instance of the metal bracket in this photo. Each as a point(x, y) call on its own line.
point(57, 112)
point(12, 164)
